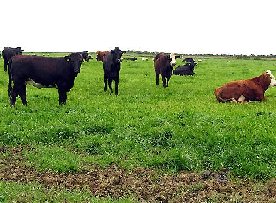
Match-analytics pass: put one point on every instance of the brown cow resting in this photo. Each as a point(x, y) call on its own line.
point(246, 90)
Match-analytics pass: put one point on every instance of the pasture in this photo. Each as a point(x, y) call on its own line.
point(169, 130)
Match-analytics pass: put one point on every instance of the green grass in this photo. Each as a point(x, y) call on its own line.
point(14, 192)
point(178, 128)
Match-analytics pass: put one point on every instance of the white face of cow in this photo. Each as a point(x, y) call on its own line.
point(173, 62)
point(273, 81)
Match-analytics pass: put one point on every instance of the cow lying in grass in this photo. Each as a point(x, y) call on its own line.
point(246, 90)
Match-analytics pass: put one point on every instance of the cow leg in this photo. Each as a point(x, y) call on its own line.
point(105, 82)
point(109, 84)
point(157, 79)
point(22, 94)
point(116, 86)
point(168, 79)
point(5, 65)
point(14, 91)
point(164, 81)
point(62, 96)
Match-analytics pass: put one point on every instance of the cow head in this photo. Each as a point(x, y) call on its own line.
point(18, 50)
point(85, 55)
point(117, 54)
point(75, 60)
point(173, 60)
point(272, 78)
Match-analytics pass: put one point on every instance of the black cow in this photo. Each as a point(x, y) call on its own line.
point(85, 55)
point(42, 72)
point(131, 58)
point(186, 69)
point(8, 53)
point(162, 65)
point(189, 61)
point(111, 67)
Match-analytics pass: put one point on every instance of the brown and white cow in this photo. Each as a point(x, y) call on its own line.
point(246, 90)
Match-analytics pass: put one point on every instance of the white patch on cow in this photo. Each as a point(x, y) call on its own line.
point(38, 85)
point(173, 62)
point(273, 81)
point(241, 98)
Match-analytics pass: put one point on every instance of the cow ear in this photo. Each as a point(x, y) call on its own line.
point(67, 58)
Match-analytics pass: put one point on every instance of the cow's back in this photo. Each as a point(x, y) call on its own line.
point(44, 70)
point(160, 63)
point(234, 90)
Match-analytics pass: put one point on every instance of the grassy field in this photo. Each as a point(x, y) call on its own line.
point(180, 128)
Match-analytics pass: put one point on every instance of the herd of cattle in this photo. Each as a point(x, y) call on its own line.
point(60, 72)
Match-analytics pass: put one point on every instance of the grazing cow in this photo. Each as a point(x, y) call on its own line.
point(8, 53)
point(246, 90)
point(162, 65)
point(101, 55)
point(42, 72)
point(111, 67)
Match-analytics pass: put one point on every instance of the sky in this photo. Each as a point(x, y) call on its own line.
point(180, 26)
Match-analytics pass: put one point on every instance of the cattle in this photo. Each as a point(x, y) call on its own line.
point(189, 61)
point(131, 58)
point(186, 69)
point(246, 90)
point(144, 59)
point(173, 60)
point(101, 55)
point(111, 67)
point(8, 53)
point(162, 65)
point(42, 72)
point(85, 55)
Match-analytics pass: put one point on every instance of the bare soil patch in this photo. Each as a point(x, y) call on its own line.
point(144, 184)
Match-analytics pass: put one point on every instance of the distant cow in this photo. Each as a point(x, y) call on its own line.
point(131, 58)
point(162, 65)
point(144, 59)
point(8, 53)
point(101, 55)
point(111, 67)
point(42, 72)
point(246, 90)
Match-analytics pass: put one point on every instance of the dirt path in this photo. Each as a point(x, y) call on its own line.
point(145, 184)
